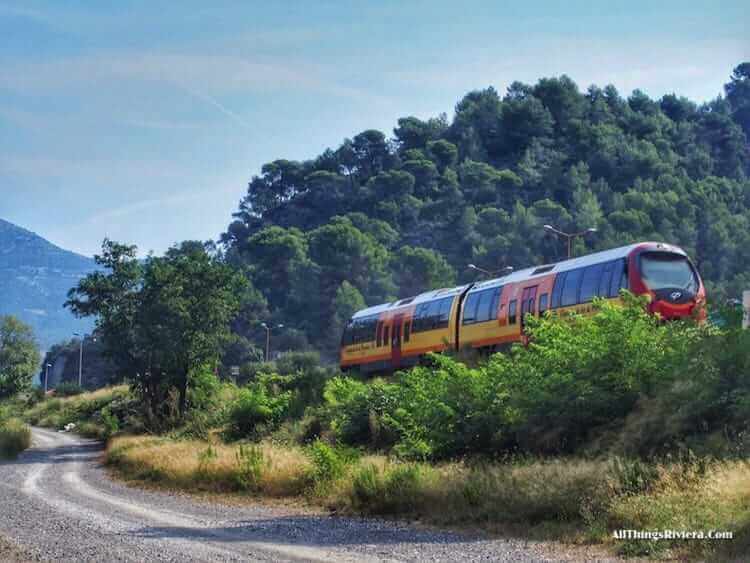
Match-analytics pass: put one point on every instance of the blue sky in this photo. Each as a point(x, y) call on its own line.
point(143, 121)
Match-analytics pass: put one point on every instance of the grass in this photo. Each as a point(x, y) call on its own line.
point(15, 437)
point(88, 411)
point(574, 500)
point(199, 466)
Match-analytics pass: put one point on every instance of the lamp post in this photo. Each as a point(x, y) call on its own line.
point(46, 378)
point(268, 338)
point(500, 273)
point(568, 236)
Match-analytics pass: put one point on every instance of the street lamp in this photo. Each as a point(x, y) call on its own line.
point(80, 358)
point(569, 236)
point(268, 338)
point(500, 273)
point(46, 378)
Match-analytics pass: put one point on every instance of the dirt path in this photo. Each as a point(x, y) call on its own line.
point(58, 504)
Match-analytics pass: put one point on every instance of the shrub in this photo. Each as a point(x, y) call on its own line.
point(251, 463)
point(579, 378)
point(68, 389)
point(15, 437)
point(396, 489)
point(256, 406)
point(110, 422)
point(328, 465)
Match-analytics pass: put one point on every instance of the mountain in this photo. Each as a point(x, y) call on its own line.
point(35, 276)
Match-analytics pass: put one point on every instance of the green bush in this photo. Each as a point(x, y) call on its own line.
point(68, 389)
point(256, 407)
point(580, 377)
point(398, 489)
point(251, 463)
point(328, 465)
point(15, 437)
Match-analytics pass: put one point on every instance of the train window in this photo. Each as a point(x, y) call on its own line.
point(590, 284)
point(496, 293)
point(407, 331)
point(433, 315)
point(470, 309)
point(557, 290)
point(379, 335)
point(606, 279)
point(445, 312)
point(543, 303)
point(617, 283)
point(570, 289)
point(484, 306)
point(387, 336)
point(512, 317)
point(419, 317)
point(346, 338)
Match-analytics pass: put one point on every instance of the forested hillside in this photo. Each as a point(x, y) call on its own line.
point(381, 217)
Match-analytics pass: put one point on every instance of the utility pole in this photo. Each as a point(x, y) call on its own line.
point(569, 237)
point(80, 358)
point(268, 338)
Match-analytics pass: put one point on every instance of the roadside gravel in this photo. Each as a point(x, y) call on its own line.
point(58, 504)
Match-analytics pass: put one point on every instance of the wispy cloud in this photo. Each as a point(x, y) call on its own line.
point(216, 104)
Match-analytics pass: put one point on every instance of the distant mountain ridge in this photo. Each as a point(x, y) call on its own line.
point(35, 276)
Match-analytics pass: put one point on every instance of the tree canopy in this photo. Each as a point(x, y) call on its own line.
point(163, 321)
point(19, 356)
point(392, 216)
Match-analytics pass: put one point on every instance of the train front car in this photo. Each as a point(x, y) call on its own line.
point(666, 274)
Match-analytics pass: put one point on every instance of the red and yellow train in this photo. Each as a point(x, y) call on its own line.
point(491, 313)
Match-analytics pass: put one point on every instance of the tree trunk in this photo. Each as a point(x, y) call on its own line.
point(183, 394)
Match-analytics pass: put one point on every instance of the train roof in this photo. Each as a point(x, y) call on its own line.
point(575, 263)
point(521, 275)
point(421, 298)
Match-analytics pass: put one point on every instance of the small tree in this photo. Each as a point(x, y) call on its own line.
point(163, 319)
point(19, 356)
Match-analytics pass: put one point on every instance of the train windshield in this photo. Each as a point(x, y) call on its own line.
point(663, 270)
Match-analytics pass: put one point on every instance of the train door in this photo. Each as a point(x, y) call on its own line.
point(398, 322)
point(528, 304)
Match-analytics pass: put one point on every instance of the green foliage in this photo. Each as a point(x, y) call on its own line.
point(162, 320)
point(618, 380)
point(397, 490)
point(100, 414)
point(110, 422)
point(257, 408)
point(15, 437)
point(394, 218)
point(251, 463)
point(19, 356)
point(328, 465)
point(68, 389)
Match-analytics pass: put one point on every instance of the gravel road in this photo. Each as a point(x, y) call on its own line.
point(57, 503)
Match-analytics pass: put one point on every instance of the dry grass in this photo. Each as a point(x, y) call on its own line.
point(577, 501)
point(199, 466)
point(15, 437)
point(78, 409)
point(718, 499)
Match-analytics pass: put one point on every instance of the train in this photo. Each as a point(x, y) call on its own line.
point(487, 315)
